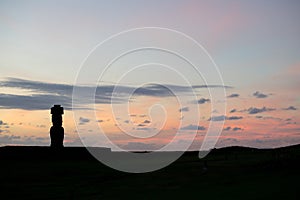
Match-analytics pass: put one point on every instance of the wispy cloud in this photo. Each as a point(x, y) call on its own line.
point(33, 102)
point(259, 95)
point(233, 110)
point(202, 101)
point(234, 117)
point(223, 118)
point(237, 129)
point(83, 121)
point(233, 95)
point(217, 118)
point(228, 128)
point(193, 127)
point(253, 110)
point(46, 94)
point(290, 108)
point(184, 109)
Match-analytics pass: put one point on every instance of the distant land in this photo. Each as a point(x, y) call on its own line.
point(226, 173)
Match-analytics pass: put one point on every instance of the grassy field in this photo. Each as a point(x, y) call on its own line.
point(232, 173)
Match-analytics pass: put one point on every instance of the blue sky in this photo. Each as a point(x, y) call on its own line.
point(39, 36)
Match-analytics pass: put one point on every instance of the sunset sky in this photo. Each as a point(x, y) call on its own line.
point(255, 45)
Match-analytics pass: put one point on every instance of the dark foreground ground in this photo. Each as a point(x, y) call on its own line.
point(232, 173)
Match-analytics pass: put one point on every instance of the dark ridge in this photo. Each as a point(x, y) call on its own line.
point(72, 173)
point(47, 153)
point(81, 153)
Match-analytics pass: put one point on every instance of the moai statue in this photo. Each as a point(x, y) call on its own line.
point(57, 131)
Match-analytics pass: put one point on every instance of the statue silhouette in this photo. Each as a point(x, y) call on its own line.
point(57, 131)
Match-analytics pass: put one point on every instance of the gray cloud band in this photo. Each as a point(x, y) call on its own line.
point(46, 94)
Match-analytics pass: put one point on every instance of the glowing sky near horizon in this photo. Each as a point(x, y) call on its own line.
point(255, 44)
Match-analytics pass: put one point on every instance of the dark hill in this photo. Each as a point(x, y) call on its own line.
point(227, 173)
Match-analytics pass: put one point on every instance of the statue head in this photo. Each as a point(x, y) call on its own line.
point(56, 112)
